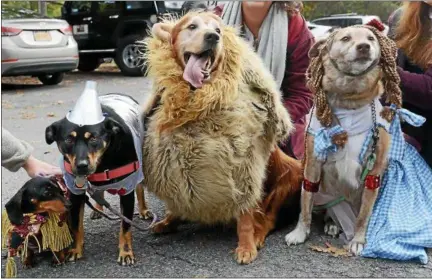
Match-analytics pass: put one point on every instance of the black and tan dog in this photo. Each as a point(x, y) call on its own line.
point(27, 211)
point(106, 154)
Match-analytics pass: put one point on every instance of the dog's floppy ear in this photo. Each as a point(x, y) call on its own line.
point(14, 209)
point(316, 48)
point(162, 31)
point(51, 133)
point(113, 126)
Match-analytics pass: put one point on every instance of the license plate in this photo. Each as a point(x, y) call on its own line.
point(80, 29)
point(42, 36)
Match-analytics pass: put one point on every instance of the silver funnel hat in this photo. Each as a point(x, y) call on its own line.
point(87, 110)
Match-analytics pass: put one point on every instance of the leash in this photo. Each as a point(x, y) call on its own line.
point(98, 197)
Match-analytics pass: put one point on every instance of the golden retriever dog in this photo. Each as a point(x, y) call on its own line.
point(348, 73)
point(213, 123)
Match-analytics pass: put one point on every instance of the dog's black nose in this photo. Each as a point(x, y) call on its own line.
point(211, 38)
point(82, 165)
point(363, 48)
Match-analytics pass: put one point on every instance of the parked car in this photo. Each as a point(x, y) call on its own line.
point(111, 29)
point(345, 20)
point(36, 46)
point(320, 31)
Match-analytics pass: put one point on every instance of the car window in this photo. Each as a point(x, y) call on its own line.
point(80, 7)
point(321, 21)
point(353, 21)
point(341, 22)
point(109, 6)
point(139, 5)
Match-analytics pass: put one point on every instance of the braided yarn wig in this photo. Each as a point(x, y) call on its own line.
point(387, 62)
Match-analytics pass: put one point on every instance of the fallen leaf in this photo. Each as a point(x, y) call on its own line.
point(28, 115)
point(59, 102)
point(51, 114)
point(332, 250)
point(7, 105)
point(20, 92)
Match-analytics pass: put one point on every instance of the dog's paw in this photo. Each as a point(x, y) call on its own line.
point(297, 236)
point(259, 241)
point(56, 263)
point(74, 254)
point(331, 229)
point(58, 259)
point(356, 247)
point(95, 215)
point(162, 227)
point(126, 258)
point(28, 263)
point(245, 255)
point(146, 214)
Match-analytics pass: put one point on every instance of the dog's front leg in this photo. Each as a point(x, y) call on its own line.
point(167, 224)
point(370, 194)
point(126, 255)
point(142, 206)
point(76, 219)
point(312, 173)
point(246, 251)
point(94, 214)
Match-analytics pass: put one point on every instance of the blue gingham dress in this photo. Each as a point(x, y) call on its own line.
point(400, 227)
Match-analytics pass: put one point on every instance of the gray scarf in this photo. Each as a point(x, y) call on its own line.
point(272, 39)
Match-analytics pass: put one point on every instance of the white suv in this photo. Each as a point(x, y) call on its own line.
point(345, 20)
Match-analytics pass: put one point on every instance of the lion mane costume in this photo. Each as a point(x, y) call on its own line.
point(206, 150)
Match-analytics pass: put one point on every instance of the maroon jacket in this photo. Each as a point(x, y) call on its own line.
point(297, 97)
point(416, 86)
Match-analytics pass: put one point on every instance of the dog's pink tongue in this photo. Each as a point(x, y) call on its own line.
point(193, 70)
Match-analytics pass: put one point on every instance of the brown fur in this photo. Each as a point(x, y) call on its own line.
point(209, 168)
point(51, 206)
point(126, 255)
point(284, 179)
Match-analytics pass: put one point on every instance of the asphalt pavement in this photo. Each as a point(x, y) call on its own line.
point(195, 250)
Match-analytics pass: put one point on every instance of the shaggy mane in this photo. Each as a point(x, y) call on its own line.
point(180, 104)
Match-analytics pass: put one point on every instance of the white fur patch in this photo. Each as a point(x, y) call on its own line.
point(298, 235)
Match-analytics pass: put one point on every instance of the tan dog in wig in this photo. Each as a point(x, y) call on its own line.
point(213, 123)
point(347, 141)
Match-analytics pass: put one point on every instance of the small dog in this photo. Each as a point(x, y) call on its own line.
point(38, 196)
point(107, 154)
point(348, 73)
point(213, 122)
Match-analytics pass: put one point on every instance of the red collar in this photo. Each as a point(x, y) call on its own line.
point(108, 174)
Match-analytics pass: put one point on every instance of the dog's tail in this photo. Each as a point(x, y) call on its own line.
point(283, 187)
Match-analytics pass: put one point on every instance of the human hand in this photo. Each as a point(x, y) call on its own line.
point(35, 167)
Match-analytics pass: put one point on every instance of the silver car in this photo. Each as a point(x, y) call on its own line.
point(36, 46)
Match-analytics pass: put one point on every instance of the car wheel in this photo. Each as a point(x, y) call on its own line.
point(89, 63)
point(129, 56)
point(51, 79)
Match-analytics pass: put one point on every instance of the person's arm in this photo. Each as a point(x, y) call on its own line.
point(417, 88)
point(297, 97)
point(15, 152)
